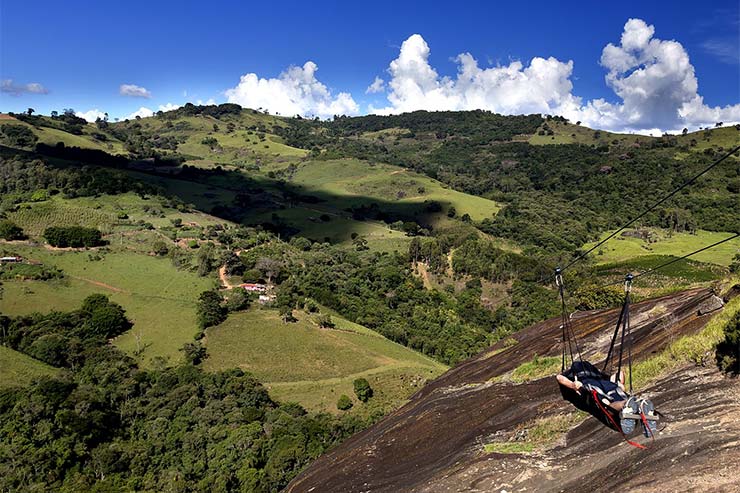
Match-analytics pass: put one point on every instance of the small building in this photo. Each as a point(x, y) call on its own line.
point(253, 288)
point(265, 298)
point(11, 260)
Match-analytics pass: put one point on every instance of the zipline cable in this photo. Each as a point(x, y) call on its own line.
point(648, 210)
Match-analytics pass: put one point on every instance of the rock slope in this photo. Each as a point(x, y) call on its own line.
point(434, 443)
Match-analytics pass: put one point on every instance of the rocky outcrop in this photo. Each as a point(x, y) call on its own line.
point(434, 442)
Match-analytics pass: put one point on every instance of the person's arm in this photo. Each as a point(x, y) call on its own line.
point(573, 385)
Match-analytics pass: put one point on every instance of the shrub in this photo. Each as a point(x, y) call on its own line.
point(10, 231)
point(210, 142)
point(238, 300)
point(325, 321)
point(592, 298)
point(18, 135)
point(728, 350)
point(160, 248)
point(209, 310)
point(252, 275)
point(363, 391)
point(194, 352)
point(73, 236)
point(344, 403)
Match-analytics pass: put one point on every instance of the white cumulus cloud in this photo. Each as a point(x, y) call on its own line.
point(169, 107)
point(378, 85)
point(142, 112)
point(540, 87)
point(134, 91)
point(653, 79)
point(296, 91)
point(91, 115)
point(656, 83)
point(145, 112)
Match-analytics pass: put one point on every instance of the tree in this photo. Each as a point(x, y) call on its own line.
point(238, 300)
point(451, 212)
point(160, 248)
point(108, 321)
point(415, 249)
point(233, 264)
point(363, 391)
point(210, 310)
point(18, 135)
point(30, 111)
point(252, 275)
point(325, 321)
point(54, 114)
point(269, 267)
point(10, 231)
point(73, 236)
point(360, 244)
point(194, 352)
point(344, 403)
point(286, 314)
point(685, 131)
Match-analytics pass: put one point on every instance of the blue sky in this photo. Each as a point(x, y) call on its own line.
point(81, 52)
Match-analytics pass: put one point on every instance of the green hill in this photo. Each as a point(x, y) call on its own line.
point(424, 236)
point(317, 365)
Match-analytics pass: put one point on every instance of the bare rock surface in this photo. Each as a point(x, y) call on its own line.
point(434, 443)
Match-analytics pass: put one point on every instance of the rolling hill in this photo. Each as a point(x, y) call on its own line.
point(385, 248)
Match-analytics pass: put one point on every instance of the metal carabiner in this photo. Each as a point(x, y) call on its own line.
point(558, 277)
point(628, 283)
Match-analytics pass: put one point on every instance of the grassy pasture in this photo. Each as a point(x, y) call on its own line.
point(51, 136)
point(725, 137)
point(354, 182)
point(17, 369)
point(577, 134)
point(623, 248)
point(681, 273)
point(158, 298)
point(303, 363)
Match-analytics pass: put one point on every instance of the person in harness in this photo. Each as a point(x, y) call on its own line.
point(592, 389)
point(588, 380)
point(611, 392)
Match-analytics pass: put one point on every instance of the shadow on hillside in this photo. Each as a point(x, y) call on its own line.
point(276, 205)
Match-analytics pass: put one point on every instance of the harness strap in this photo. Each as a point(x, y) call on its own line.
point(646, 425)
point(618, 428)
point(607, 361)
point(569, 335)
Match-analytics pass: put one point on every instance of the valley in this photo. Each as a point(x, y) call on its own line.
point(377, 250)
